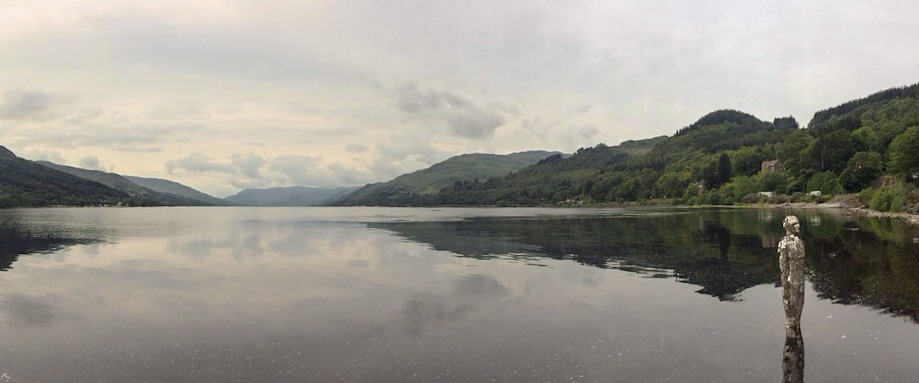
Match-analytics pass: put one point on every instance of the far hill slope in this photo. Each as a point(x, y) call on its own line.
point(700, 153)
point(24, 183)
point(171, 187)
point(466, 167)
point(118, 182)
point(551, 180)
point(289, 196)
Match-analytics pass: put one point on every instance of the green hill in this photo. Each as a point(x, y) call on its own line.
point(718, 158)
point(426, 182)
point(24, 183)
point(708, 152)
point(849, 146)
point(121, 183)
point(289, 196)
point(171, 187)
point(553, 179)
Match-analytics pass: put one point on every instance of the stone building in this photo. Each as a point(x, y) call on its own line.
point(771, 166)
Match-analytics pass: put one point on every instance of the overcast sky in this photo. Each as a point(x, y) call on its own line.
point(223, 95)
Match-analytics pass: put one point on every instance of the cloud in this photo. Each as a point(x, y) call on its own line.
point(110, 134)
point(588, 131)
point(252, 170)
point(198, 162)
point(92, 163)
point(474, 123)
point(30, 105)
point(427, 312)
point(240, 170)
point(463, 117)
point(247, 164)
point(310, 171)
point(356, 148)
point(413, 100)
point(25, 311)
point(44, 155)
point(347, 175)
point(404, 151)
point(300, 170)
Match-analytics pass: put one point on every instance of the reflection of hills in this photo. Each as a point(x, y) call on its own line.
point(868, 261)
point(16, 241)
point(696, 247)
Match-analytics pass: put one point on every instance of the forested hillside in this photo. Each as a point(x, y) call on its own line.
point(26, 183)
point(413, 187)
point(851, 146)
point(868, 146)
point(699, 153)
point(117, 182)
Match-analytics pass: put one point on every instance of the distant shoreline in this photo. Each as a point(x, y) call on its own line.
point(839, 205)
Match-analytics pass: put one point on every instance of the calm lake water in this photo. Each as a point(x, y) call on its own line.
point(454, 295)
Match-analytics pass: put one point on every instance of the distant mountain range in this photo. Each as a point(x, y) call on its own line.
point(42, 183)
point(290, 196)
point(171, 187)
point(465, 167)
point(25, 183)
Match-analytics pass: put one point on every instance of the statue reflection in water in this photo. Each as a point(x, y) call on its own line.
point(791, 261)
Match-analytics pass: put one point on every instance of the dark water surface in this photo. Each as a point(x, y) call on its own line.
point(427, 295)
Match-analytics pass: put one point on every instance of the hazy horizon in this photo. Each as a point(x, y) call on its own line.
point(224, 95)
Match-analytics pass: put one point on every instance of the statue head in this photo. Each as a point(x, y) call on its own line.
point(792, 225)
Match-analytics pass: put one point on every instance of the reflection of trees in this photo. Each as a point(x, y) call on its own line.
point(698, 248)
point(864, 261)
point(16, 240)
point(871, 262)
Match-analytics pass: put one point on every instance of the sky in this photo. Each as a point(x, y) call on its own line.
point(226, 95)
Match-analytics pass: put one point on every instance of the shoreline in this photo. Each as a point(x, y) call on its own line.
point(912, 219)
point(840, 205)
point(852, 211)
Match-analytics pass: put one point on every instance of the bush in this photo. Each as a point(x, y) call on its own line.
point(691, 192)
point(881, 201)
point(743, 185)
point(825, 182)
point(795, 186)
point(893, 198)
point(708, 198)
point(866, 195)
point(774, 182)
point(752, 198)
point(897, 203)
point(904, 153)
point(777, 199)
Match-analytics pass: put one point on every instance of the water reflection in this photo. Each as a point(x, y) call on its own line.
point(290, 295)
point(17, 240)
point(791, 262)
point(850, 260)
point(694, 249)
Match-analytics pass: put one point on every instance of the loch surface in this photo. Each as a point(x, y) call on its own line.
point(448, 295)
